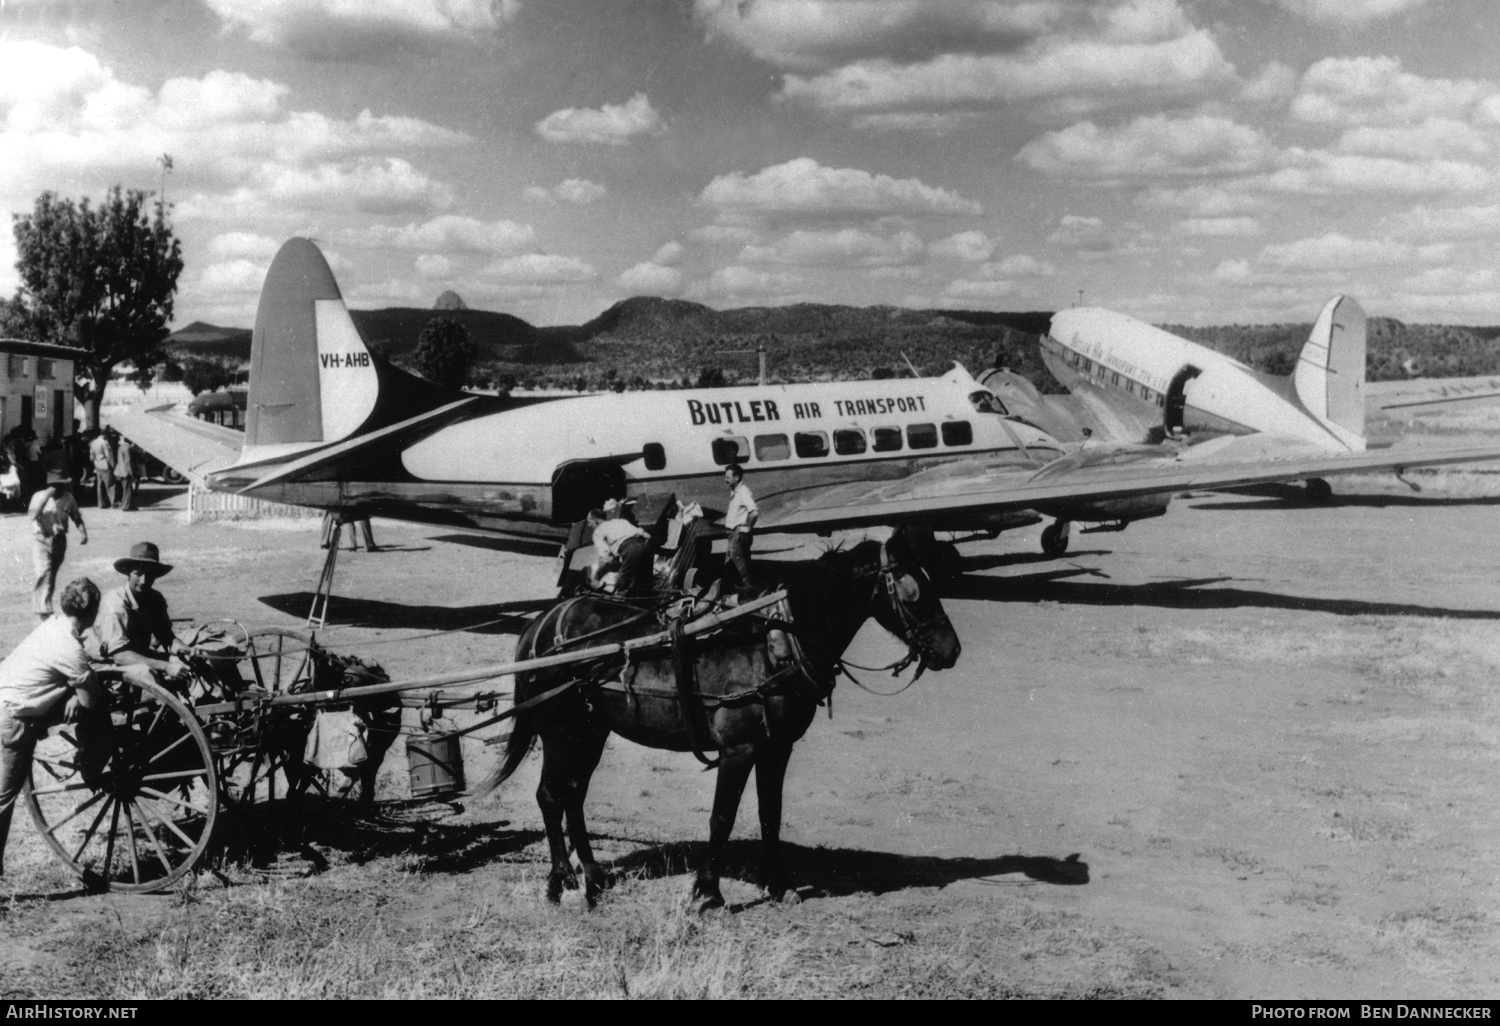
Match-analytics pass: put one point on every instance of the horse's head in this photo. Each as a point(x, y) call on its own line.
point(906, 604)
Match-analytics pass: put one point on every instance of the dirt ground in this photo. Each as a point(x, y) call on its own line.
point(1246, 750)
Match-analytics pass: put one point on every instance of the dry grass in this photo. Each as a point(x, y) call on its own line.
point(385, 930)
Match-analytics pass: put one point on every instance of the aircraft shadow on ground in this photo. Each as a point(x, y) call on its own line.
point(835, 872)
point(495, 543)
point(972, 564)
point(1185, 593)
point(491, 618)
point(1279, 496)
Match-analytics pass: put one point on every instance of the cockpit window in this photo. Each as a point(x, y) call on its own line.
point(987, 402)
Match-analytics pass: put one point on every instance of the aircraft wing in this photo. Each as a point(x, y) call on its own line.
point(1428, 393)
point(190, 446)
point(978, 486)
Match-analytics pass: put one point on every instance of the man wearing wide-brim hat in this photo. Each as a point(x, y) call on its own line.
point(133, 627)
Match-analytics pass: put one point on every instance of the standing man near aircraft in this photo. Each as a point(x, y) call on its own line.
point(50, 511)
point(739, 520)
point(103, 455)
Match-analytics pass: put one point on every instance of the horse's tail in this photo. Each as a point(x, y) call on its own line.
point(522, 736)
point(522, 725)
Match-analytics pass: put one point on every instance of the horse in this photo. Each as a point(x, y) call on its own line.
point(748, 693)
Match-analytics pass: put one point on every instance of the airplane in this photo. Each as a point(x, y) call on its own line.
point(331, 426)
point(1133, 387)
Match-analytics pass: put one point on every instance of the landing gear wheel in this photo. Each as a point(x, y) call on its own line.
point(1055, 538)
point(148, 816)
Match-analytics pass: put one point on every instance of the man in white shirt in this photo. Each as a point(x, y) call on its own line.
point(44, 681)
point(739, 521)
point(51, 510)
point(618, 542)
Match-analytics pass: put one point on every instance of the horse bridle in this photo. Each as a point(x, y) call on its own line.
point(911, 627)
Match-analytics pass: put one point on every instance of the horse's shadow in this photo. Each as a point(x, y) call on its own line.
point(838, 872)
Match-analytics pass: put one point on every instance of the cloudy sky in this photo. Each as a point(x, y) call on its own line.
point(1201, 161)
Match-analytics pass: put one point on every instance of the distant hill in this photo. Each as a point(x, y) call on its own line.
point(209, 340)
point(648, 342)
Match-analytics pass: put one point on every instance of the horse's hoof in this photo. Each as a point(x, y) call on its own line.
point(574, 901)
point(785, 896)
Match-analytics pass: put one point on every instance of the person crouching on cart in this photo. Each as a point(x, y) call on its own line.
point(621, 546)
point(45, 681)
point(133, 629)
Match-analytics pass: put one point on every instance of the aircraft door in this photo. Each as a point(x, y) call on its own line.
point(582, 485)
point(1175, 408)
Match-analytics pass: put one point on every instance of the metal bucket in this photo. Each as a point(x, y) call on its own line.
point(436, 765)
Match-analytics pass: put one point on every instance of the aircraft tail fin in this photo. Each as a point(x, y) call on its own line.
point(311, 377)
point(1330, 375)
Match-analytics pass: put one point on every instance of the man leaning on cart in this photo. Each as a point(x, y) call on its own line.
point(47, 680)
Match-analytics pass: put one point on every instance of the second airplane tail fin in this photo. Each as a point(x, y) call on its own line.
point(1330, 375)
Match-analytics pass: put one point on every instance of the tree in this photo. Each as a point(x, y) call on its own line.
point(444, 352)
point(205, 375)
point(100, 279)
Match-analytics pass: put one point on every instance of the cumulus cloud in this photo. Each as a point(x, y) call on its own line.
point(1354, 13)
point(389, 186)
point(970, 247)
point(541, 269)
point(1469, 222)
point(1150, 146)
point(1203, 200)
point(579, 191)
point(811, 34)
point(1018, 265)
point(650, 278)
point(452, 233)
point(433, 266)
point(1336, 251)
point(804, 186)
point(743, 284)
point(1273, 84)
point(1090, 71)
point(342, 29)
point(980, 291)
point(1375, 90)
point(1435, 137)
point(246, 245)
point(610, 125)
point(1218, 227)
point(725, 234)
point(1319, 172)
point(668, 255)
point(848, 247)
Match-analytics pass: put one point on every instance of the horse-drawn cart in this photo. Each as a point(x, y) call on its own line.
point(177, 763)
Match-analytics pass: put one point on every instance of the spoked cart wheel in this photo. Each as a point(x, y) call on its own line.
point(148, 816)
point(259, 749)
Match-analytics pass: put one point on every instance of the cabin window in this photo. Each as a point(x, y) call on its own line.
point(656, 456)
point(811, 443)
point(1102, 370)
point(922, 436)
point(987, 402)
point(848, 442)
point(957, 432)
point(1130, 387)
point(731, 449)
point(1088, 365)
point(1161, 400)
point(1077, 359)
point(1114, 379)
point(772, 447)
point(887, 439)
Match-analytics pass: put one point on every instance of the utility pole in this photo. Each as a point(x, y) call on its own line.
point(165, 160)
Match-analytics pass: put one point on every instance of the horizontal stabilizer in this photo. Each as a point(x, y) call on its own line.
point(192, 447)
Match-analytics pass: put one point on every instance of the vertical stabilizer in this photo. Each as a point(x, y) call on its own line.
point(311, 377)
point(1330, 375)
